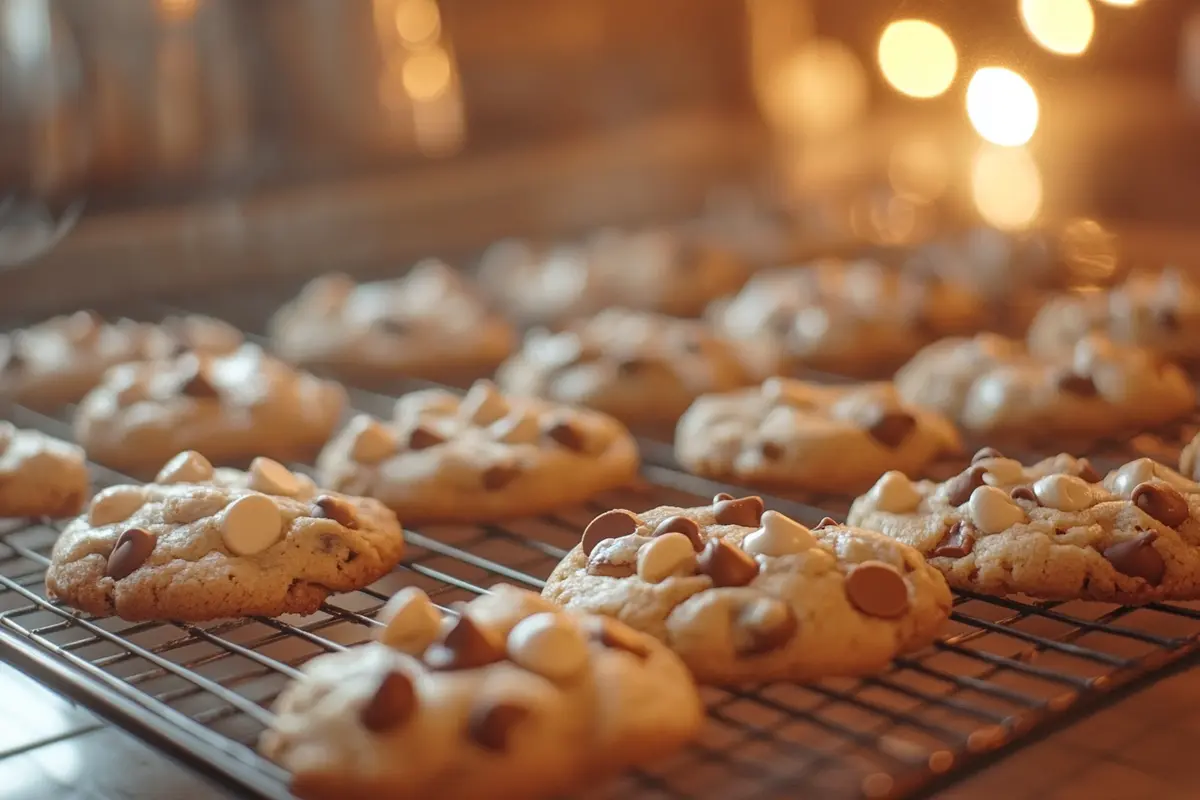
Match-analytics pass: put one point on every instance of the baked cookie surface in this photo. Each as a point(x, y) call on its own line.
point(810, 436)
point(228, 407)
point(642, 368)
point(431, 323)
point(746, 595)
point(514, 699)
point(40, 475)
point(482, 456)
point(1055, 529)
point(201, 544)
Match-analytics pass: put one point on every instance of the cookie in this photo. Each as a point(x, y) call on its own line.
point(995, 387)
point(201, 544)
point(856, 318)
point(228, 407)
point(807, 436)
point(1158, 311)
point(429, 324)
point(483, 456)
point(1189, 459)
point(655, 269)
point(514, 699)
point(746, 595)
point(40, 475)
point(60, 360)
point(1053, 530)
point(644, 369)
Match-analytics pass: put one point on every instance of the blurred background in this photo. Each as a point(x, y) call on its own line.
point(156, 143)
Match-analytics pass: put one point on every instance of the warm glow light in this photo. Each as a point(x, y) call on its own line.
point(418, 21)
point(917, 58)
point(819, 90)
point(1002, 106)
point(1061, 26)
point(427, 74)
point(177, 10)
point(1121, 3)
point(1006, 186)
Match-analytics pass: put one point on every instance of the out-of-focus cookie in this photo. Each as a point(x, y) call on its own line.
point(60, 360)
point(642, 368)
point(654, 269)
point(993, 386)
point(808, 436)
point(482, 456)
point(201, 544)
point(746, 595)
point(429, 324)
point(40, 475)
point(1054, 530)
point(514, 700)
point(228, 407)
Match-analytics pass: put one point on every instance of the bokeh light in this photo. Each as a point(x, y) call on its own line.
point(1061, 26)
point(418, 21)
point(427, 74)
point(917, 58)
point(1002, 106)
point(1121, 3)
point(918, 169)
point(1006, 186)
point(819, 90)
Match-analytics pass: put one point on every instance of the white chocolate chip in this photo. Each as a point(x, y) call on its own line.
point(778, 536)
point(993, 511)
point(251, 524)
point(1131, 474)
point(411, 621)
point(116, 504)
point(1091, 352)
point(187, 467)
point(1064, 492)
point(664, 556)
point(271, 477)
point(1002, 471)
point(483, 403)
point(894, 493)
point(550, 645)
point(519, 427)
point(371, 441)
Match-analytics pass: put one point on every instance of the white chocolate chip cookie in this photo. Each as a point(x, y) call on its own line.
point(201, 544)
point(40, 475)
point(482, 456)
point(227, 407)
point(1053, 530)
point(808, 436)
point(429, 324)
point(515, 700)
point(759, 597)
point(644, 369)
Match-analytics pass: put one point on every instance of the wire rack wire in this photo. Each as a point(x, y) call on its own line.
point(1006, 669)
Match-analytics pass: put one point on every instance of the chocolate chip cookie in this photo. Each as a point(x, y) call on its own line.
point(431, 323)
point(201, 544)
point(1054, 530)
point(478, 457)
point(808, 436)
point(227, 407)
point(40, 475)
point(743, 594)
point(514, 699)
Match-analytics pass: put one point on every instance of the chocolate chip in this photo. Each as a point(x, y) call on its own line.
point(745, 511)
point(465, 646)
point(1088, 473)
point(498, 476)
point(194, 383)
point(825, 523)
point(391, 327)
point(490, 726)
point(421, 438)
point(877, 590)
point(392, 704)
point(726, 565)
point(767, 624)
point(687, 527)
point(771, 451)
point(630, 366)
point(609, 525)
point(1161, 501)
point(132, 549)
point(15, 362)
point(1080, 385)
point(986, 452)
point(890, 428)
point(336, 509)
point(1023, 493)
point(567, 435)
point(615, 636)
point(957, 543)
point(1167, 319)
point(960, 487)
point(1138, 558)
